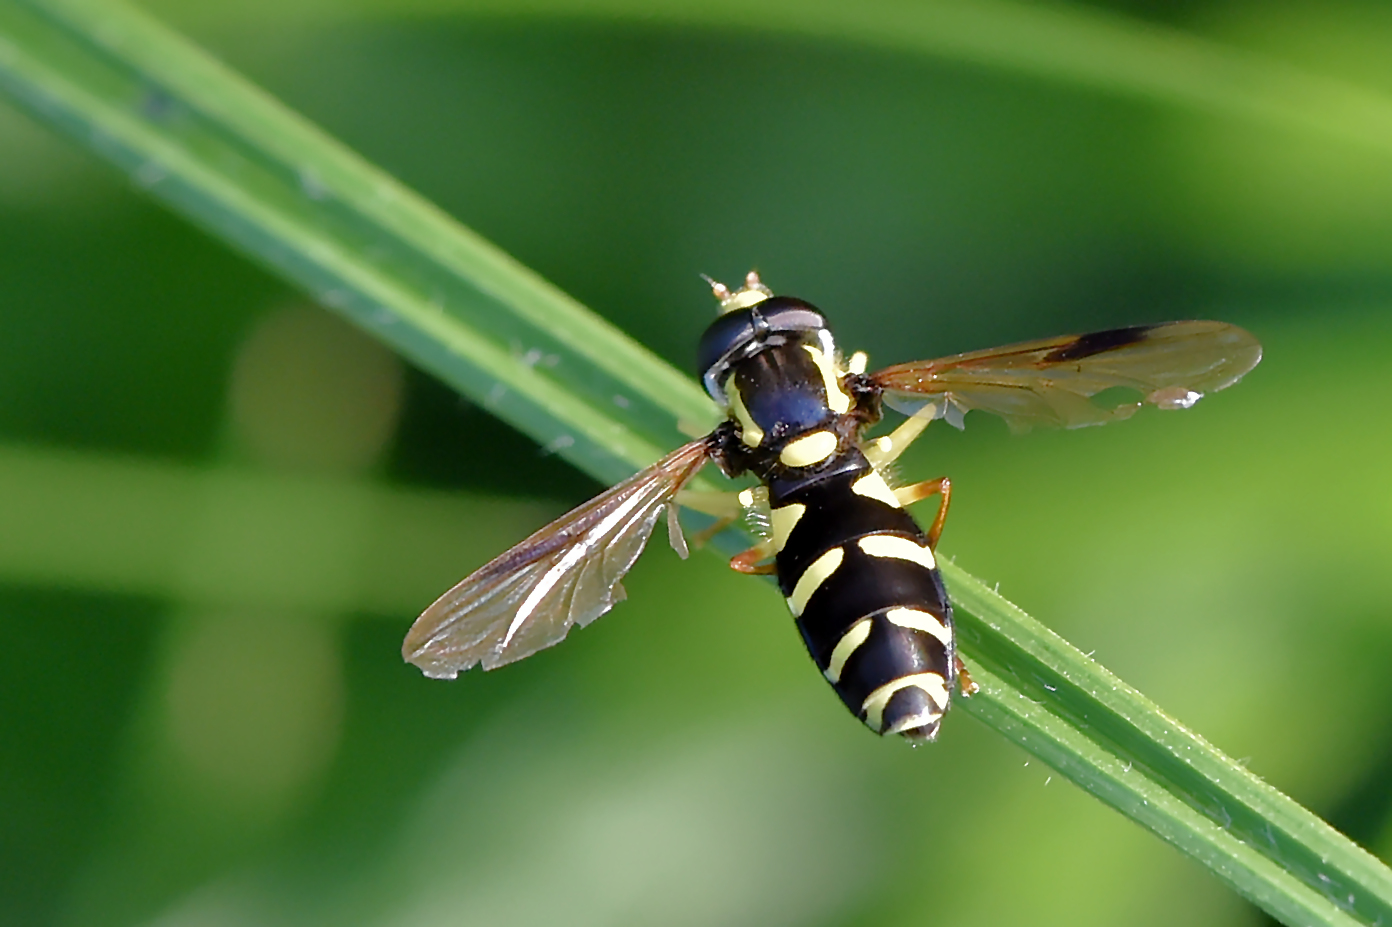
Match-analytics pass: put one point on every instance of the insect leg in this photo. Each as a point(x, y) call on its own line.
point(727, 508)
point(756, 507)
point(887, 448)
point(715, 504)
point(724, 507)
point(749, 560)
point(964, 680)
point(908, 495)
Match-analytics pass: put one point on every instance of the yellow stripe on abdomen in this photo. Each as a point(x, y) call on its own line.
point(817, 573)
point(875, 702)
point(920, 620)
point(873, 486)
point(850, 642)
point(902, 548)
point(782, 521)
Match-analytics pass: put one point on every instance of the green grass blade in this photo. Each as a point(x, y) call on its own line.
point(220, 152)
point(1099, 732)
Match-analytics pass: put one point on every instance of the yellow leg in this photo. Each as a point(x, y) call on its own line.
point(703, 537)
point(887, 448)
point(964, 680)
point(908, 495)
point(750, 560)
point(715, 504)
point(726, 508)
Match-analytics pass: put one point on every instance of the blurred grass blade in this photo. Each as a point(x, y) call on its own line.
point(240, 537)
point(238, 163)
point(218, 150)
point(1075, 44)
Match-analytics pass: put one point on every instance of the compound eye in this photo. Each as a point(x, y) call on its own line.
point(744, 332)
point(722, 342)
point(786, 314)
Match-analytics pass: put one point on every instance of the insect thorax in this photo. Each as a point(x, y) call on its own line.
point(774, 367)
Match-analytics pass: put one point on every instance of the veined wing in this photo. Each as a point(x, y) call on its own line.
point(568, 573)
point(1052, 382)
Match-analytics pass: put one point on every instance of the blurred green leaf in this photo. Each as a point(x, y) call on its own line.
point(198, 137)
point(137, 527)
point(222, 153)
point(1069, 43)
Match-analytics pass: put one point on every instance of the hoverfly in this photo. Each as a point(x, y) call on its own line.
point(858, 572)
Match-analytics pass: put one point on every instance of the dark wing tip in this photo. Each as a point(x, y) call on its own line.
point(1098, 343)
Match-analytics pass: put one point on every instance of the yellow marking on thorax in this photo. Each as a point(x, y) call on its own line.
point(783, 520)
point(891, 545)
point(808, 450)
point(921, 620)
point(849, 643)
point(837, 398)
point(813, 577)
point(873, 486)
point(750, 433)
point(858, 362)
point(874, 705)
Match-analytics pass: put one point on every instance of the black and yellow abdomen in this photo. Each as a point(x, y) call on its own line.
point(862, 583)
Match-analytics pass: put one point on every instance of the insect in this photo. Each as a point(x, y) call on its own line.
point(859, 574)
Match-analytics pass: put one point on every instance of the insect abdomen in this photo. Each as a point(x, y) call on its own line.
point(863, 585)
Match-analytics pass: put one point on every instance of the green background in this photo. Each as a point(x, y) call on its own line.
point(204, 719)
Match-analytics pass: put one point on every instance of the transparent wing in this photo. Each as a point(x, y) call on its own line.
point(1053, 382)
point(568, 573)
